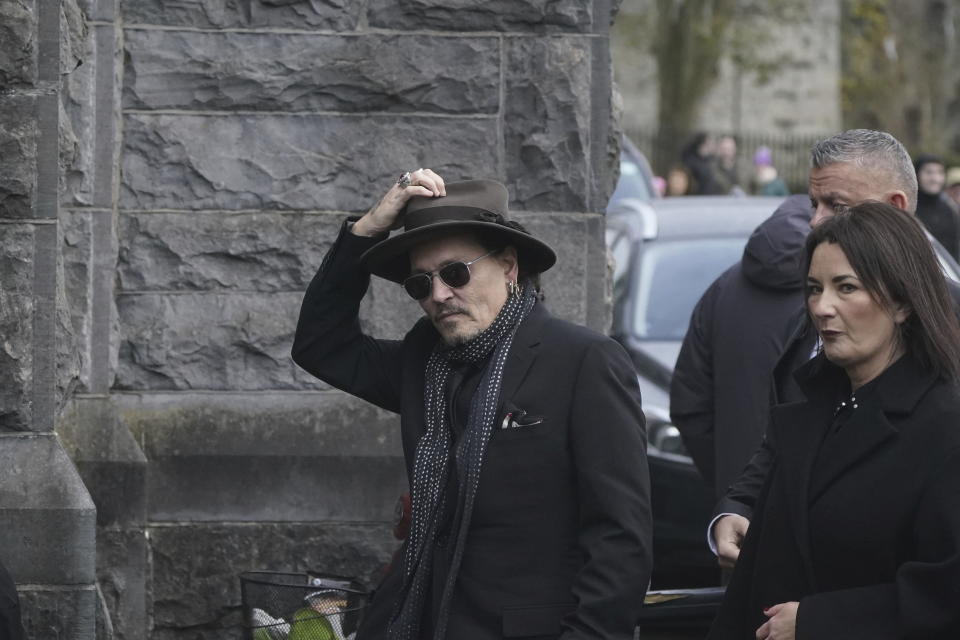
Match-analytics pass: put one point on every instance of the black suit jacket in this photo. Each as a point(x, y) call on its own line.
point(861, 526)
point(559, 543)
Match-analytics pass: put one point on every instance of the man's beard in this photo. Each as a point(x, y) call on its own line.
point(459, 337)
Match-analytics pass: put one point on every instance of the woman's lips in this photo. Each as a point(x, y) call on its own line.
point(829, 333)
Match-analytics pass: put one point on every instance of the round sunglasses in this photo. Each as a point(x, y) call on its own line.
point(454, 275)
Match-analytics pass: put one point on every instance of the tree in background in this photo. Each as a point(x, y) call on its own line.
point(901, 71)
point(688, 40)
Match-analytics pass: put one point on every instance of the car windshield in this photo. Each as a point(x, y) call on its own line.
point(631, 183)
point(673, 276)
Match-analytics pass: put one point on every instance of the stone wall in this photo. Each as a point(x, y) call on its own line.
point(208, 152)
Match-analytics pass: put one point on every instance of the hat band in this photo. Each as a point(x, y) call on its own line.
point(434, 215)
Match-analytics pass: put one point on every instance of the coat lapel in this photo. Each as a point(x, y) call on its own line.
point(523, 352)
point(897, 392)
point(866, 431)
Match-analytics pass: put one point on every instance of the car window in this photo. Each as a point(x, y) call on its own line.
point(673, 276)
point(631, 183)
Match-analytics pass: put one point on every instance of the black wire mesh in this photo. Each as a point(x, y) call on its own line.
point(301, 606)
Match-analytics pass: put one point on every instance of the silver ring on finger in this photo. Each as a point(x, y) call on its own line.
point(404, 180)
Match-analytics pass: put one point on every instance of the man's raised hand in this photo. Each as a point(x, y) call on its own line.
point(386, 214)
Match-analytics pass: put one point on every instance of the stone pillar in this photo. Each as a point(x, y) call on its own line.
point(47, 531)
point(107, 457)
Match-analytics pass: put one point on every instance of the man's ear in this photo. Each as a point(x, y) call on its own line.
point(899, 200)
point(511, 264)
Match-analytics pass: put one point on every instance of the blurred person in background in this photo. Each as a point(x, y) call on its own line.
point(953, 186)
point(698, 159)
point(677, 182)
point(766, 181)
point(933, 207)
point(660, 185)
point(725, 174)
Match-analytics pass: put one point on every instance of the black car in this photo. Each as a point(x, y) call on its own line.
point(666, 253)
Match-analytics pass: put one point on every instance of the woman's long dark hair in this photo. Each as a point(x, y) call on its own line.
point(891, 255)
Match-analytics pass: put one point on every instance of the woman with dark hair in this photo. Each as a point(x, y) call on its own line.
point(856, 533)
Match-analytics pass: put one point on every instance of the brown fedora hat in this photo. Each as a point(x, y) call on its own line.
point(471, 205)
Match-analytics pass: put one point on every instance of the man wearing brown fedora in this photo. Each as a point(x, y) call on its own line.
point(523, 434)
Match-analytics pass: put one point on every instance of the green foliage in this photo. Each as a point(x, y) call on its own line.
point(897, 57)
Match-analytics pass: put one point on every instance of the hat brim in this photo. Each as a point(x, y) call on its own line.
point(390, 259)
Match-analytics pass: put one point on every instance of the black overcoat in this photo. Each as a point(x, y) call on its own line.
point(560, 539)
point(863, 528)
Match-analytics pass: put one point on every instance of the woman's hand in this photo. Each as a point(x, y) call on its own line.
point(782, 624)
point(383, 217)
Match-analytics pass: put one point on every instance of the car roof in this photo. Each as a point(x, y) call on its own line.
point(697, 216)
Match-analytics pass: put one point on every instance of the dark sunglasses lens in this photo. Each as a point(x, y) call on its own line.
point(455, 274)
point(417, 286)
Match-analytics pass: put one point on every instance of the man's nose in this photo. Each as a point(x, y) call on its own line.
point(821, 213)
point(439, 290)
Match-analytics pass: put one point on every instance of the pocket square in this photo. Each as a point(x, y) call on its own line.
point(519, 419)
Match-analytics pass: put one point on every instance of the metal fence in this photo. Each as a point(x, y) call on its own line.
point(791, 153)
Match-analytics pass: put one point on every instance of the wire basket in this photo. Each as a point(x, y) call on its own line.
point(300, 606)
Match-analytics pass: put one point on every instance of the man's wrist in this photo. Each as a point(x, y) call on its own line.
point(362, 227)
point(711, 539)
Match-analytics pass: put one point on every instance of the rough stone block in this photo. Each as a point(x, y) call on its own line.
point(123, 575)
point(48, 532)
point(547, 123)
point(196, 587)
point(267, 457)
point(245, 252)
point(18, 155)
point(232, 341)
point(76, 256)
point(255, 488)
point(61, 612)
point(566, 286)
point(213, 251)
point(16, 325)
point(17, 43)
point(340, 163)
point(271, 425)
point(108, 459)
point(335, 15)
point(71, 353)
point(199, 341)
point(189, 70)
point(496, 15)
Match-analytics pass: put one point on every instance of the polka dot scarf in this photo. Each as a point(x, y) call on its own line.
point(432, 462)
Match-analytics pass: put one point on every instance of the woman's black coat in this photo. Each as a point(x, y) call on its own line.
point(863, 527)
